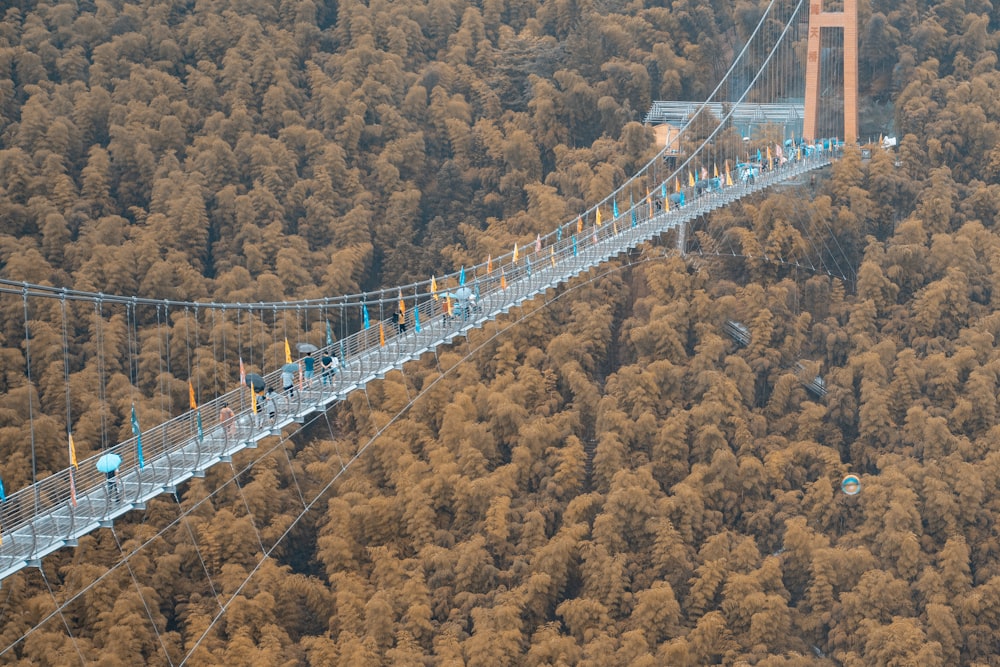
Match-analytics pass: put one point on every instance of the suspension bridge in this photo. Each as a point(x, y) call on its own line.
point(55, 511)
point(55, 508)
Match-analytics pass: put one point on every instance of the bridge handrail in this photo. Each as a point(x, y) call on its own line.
point(363, 354)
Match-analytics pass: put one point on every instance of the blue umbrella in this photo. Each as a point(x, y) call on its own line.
point(109, 463)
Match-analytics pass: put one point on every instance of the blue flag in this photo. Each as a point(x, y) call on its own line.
point(614, 207)
point(631, 204)
point(201, 431)
point(663, 189)
point(329, 334)
point(574, 245)
point(416, 319)
point(461, 276)
point(528, 260)
point(364, 314)
point(3, 494)
point(759, 158)
point(137, 432)
point(559, 234)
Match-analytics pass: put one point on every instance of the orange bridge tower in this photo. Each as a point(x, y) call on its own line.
point(848, 21)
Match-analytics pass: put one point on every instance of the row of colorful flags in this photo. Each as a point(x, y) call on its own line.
point(694, 177)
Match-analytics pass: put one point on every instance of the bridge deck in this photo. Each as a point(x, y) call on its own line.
point(55, 511)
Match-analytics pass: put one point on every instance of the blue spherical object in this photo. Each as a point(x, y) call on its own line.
point(851, 485)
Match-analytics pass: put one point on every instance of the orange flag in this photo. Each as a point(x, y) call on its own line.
point(447, 304)
point(194, 403)
point(402, 306)
point(434, 288)
point(515, 253)
point(552, 253)
point(579, 224)
point(503, 279)
point(381, 334)
point(72, 452)
point(489, 263)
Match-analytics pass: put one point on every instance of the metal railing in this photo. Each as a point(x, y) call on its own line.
point(56, 510)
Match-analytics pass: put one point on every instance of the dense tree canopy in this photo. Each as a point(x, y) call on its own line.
point(610, 481)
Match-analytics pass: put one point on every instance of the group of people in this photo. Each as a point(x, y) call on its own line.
point(267, 400)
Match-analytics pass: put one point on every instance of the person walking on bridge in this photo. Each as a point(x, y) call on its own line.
point(228, 420)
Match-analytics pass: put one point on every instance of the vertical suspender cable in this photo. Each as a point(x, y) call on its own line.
point(197, 357)
point(65, 342)
point(215, 351)
point(101, 389)
point(31, 404)
point(187, 341)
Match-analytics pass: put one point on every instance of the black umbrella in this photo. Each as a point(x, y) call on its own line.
point(255, 382)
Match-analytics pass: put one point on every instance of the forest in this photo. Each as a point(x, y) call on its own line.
point(602, 479)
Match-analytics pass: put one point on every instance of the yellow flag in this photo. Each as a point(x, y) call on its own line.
point(447, 303)
point(489, 263)
point(434, 288)
point(614, 225)
point(666, 204)
point(598, 216)
point(715, 170)
point(515, 253)
point(72, 452)
point(552, 253)
point(194, 403)
point(677, 184)
point(253, 399)
point(288, 355)
point(503, 279)
point(690, 179)
point(402, 306)
point(381, 334)
point(649, 202)
point(729, 178)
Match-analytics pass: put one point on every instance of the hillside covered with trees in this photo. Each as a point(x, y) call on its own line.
point(609, 480)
